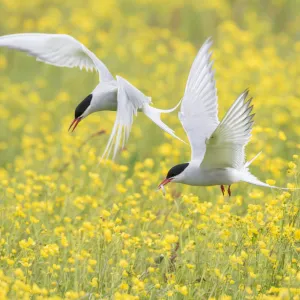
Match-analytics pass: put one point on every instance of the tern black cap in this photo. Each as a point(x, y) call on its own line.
point(82, 106)
point(176, 170)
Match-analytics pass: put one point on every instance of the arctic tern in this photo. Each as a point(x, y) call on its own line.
point(110, 94)
point(218, 148)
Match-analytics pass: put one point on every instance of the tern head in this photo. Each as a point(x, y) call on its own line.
point(175, 174)
point(81, 111)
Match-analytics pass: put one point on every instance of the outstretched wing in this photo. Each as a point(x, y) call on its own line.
point(226, 146)
point(199, 108)
point(60, 50)
point(130, 99)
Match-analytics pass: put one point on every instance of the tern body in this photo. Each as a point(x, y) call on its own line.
point(195, 176)
point(110, 94)
point(217, 148)
point(105, 97)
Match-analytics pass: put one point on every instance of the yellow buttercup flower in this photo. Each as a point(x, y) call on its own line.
point(75, 226)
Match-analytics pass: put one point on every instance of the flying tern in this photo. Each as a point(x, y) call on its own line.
point(110, 94)
point(217, 148)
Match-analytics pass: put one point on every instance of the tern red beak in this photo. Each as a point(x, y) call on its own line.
point(164, 182)
point(75, 123)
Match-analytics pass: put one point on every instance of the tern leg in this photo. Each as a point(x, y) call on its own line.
point(229, 191)
point(222, 189)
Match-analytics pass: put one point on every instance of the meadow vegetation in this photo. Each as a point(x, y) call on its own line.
point(72, 228)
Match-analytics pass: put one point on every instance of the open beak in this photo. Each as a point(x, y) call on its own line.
point(74, 124)
point(164, 182)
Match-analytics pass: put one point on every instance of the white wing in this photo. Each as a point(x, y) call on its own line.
point(60, 50)
point(199, 108)
point(226, 146)
point(130, 99)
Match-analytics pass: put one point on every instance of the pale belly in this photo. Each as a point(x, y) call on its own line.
point(111, 100)
point(107, 100)
point(226, 176)
point(105, 97)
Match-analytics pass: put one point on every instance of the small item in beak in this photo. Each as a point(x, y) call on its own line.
point(161, 187)
point(163, 183)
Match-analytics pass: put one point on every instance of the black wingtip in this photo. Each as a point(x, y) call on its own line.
point(248, 102)
point(246, 91)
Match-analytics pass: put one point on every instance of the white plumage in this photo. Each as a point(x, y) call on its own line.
point(199, 107)
point(217, 148)
point(225, 148)
point(62, 50)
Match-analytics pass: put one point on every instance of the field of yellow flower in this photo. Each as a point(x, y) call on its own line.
point(73, 229)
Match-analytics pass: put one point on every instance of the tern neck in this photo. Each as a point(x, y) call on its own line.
point(104, 98)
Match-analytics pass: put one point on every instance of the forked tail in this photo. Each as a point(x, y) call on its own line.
point(250, 178)
point(154, 114)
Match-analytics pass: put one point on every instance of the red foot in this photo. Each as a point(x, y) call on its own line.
point(229, 191)
point(222, 189)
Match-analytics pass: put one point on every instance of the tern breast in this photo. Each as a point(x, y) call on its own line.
point(105, 97)
point(207, 177)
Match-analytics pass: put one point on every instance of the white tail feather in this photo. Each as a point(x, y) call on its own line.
point(248, 163)
point(250, 178)
point(154, 114)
